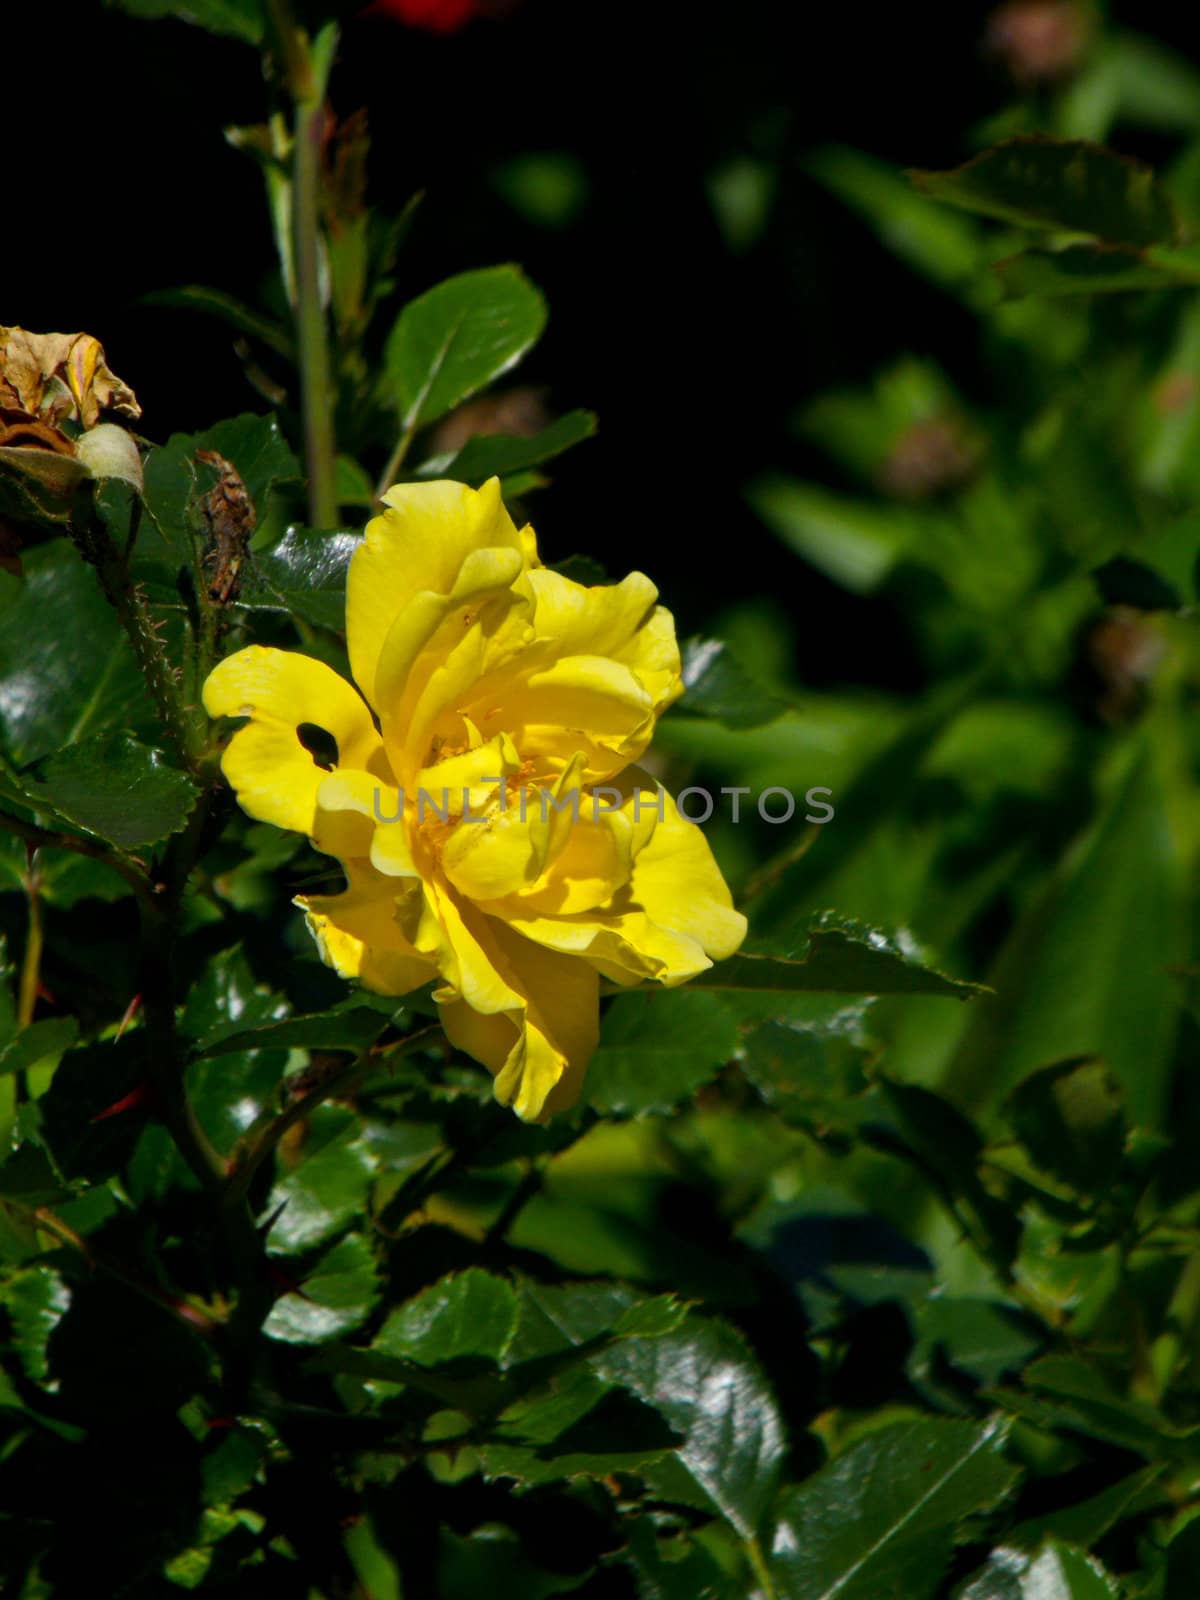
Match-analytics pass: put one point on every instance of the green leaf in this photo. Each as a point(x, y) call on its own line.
point(983, 1339)
point(497, 455)
point(327, 1191)
point(175, 483)
point(838, 957)
point(855, 542)
point(884, 1517)
point(811, 1080)
point(1071, 1119)
point(67, 669)
point(950, 1149)
point(226, 307)
point(36, 1299)
point(492, 1561)
point(1066, 1392)
point(33, 1044)
point(674, 1564)
point(236, 19)
point(716, 685)
point(1157, 572)
point(1057, 1572)
point(1082, 269)
point(658, 1048)
point(28, 1177)
point(935, 242)
point(469, 1314)
point(709, 1388)
point(115, 787)
point(616, 1434)
point(304, 574)
point(352, 1028)
point(453, 340)
point(336, 1297)
point(1088, 1520)
point(1063, 184)
point(1087, 970)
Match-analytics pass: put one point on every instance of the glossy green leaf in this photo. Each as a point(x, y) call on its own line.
point(709, 1388)
point(453, 340)
point(326, 1191)
point(1057, 1572)
point(616, 1434)
point(67, 670)
point(656, 1049)
point(35, 1299)
point(884, 1517)
point(838, 957)
point(1067, 185)
point(353, 1029)
point(336, 1297)
point(470, 1314)
point(114, 786)
point(304, 574)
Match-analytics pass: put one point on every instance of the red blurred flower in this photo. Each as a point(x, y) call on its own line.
point(434, 16)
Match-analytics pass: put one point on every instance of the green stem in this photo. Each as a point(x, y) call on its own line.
point(31, 965)
point(758, 1565)
point(307, 84)
point(395, 461)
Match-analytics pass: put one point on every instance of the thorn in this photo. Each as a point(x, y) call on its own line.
point(135, 1099)
point(214, 1423)
point(131, 1011)
point(45, 994)
point(264, 1228)
point(282, 1282)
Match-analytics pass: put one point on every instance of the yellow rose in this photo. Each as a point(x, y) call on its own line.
point(492, 828)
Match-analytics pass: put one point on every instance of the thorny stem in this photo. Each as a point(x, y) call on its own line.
point(47, 839)
point(163, 678)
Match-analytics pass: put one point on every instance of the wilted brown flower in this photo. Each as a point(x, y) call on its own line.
point(53, 388)
point(49, 377)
